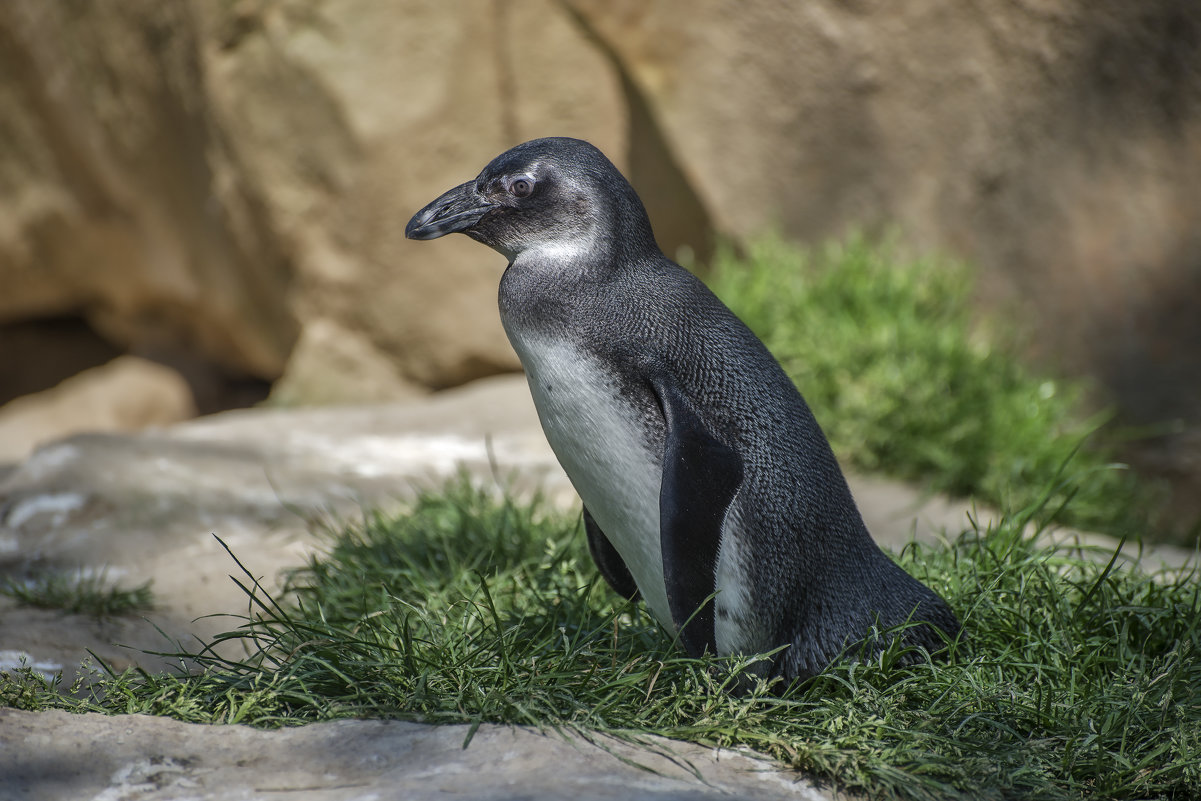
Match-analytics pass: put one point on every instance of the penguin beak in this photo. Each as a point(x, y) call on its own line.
point(453, 212)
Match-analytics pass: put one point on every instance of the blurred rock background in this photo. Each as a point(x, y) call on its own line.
point(202, 202)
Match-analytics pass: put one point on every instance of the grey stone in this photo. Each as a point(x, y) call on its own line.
point(52, 756)
point(152, 505)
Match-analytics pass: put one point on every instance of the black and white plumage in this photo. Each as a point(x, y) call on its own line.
point(702, 471)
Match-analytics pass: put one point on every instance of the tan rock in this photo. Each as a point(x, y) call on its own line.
point(1055, 144)
point(38, 354)
point(119, 198)
point(353, 115)
point(192, 178)
point(333, 365)
point(126, 394)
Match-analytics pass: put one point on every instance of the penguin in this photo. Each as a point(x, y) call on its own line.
point(708, 488)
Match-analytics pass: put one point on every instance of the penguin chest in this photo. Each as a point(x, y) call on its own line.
point(602, 440)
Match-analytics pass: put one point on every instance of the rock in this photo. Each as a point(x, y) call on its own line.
point(126, 394)
point(40, 354)
point(1057, 145)
point(147, 506)
point(334, 365)
point(244, 170)
point(421, 101)
point(53, 756)
point(123, 203)
point(994, 136)
point(53, 642)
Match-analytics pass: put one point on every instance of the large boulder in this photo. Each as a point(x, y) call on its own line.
point(1055, 144)
point(207, 184)
point(122, 200)
point(352, 115)
point(1058, 145)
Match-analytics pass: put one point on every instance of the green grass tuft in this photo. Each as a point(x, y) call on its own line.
point(79, 592)
point(1074, 678)
point(904, 380)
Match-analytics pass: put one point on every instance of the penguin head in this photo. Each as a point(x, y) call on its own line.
point(558, 199)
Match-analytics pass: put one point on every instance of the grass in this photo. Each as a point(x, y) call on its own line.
point(1075, 678)
point(906, 380)
point(79, 592)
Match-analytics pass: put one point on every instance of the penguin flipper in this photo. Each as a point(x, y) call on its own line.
point(611, 565)
point(701, 476)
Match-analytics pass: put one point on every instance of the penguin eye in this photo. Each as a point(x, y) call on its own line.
point(522, 186)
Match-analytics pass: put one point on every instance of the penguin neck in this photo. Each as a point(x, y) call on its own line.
point(597, 251)
point(593, 259)
point(566, 255)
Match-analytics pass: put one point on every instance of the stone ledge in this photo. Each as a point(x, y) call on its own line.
point(49, 756)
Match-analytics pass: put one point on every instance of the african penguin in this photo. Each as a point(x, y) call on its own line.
point(708, 487)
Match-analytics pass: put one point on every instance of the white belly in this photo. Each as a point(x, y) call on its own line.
point(599, 440)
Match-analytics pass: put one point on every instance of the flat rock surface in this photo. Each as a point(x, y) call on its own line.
point(55, 755)
point(265, 481)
